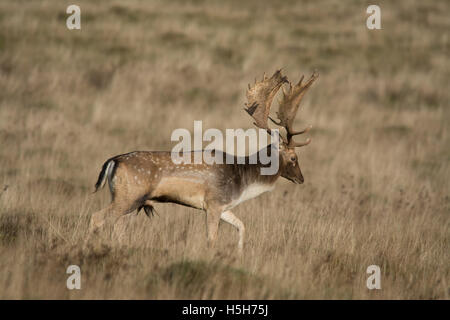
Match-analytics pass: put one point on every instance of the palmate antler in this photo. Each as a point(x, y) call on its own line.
point(289, 106)
point(260, 97)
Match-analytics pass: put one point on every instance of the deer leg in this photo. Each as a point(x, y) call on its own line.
point(121, 217)
point(229, 217)
point(120, 227)
point(212, 225)
point(97, 221)
point(99, 218)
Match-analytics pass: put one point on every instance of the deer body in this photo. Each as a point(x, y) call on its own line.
point(152, 176)
point(139, 179)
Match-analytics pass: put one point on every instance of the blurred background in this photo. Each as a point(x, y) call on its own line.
point(377, 171)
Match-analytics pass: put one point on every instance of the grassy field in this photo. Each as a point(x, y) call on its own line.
point(377, 172)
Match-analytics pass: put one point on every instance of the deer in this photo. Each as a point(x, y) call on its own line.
point(138, 180)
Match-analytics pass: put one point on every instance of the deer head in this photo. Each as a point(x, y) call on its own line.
point(260, 97)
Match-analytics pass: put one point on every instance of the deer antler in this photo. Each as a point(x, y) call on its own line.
point(260, 97)
point(289, 106)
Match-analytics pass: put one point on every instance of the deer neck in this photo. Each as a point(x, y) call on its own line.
point(251, 182)
point(251, 174)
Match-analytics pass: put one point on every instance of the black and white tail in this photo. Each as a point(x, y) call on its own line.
point(106, 173)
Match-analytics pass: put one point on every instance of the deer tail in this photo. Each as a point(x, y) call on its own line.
point(106, 172)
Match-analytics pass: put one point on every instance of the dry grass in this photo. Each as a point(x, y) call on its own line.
point(377, 172)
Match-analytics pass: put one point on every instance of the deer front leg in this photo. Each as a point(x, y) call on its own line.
point(229, 217)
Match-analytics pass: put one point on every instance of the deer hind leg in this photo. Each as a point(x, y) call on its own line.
point(229, 217)
point(120, 227)
point(113, 212)
point(123, 219)
point(212, 225)
point(98, 219)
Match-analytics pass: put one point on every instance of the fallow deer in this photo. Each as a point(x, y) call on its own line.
point(137, 180)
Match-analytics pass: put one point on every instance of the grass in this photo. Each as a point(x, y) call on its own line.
point(377, 171)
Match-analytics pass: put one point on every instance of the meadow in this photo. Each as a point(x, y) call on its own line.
point(377, 172)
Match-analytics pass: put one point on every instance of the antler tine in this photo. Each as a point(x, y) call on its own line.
point(289, 106)
point(299, 144)
point(301, 132)
point(260, 97)
point(275, 122)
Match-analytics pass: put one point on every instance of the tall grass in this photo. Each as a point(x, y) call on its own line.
point(377, 171)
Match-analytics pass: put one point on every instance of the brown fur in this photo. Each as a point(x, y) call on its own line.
point(139, 179)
